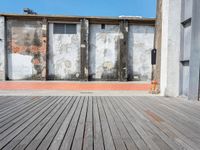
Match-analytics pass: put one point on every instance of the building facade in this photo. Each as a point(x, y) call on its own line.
point(179, 49)
point(34, 47)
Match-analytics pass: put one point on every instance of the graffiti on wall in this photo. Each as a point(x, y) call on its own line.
point(26, 42)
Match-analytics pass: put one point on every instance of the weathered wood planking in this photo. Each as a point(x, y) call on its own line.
point(98, 123)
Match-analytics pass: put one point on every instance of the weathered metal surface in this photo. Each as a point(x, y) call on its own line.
point(141, 42)
point(2, 48)
point(103, 53)
point(64, 55)
point(26, 50)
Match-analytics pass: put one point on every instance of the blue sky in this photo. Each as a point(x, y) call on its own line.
point(145, 8)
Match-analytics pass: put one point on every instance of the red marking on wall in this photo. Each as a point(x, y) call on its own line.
point(72, 86)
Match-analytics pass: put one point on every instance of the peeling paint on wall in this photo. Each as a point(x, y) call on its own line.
point(103, 53)
point(26, 50)
point(64, 55)
point(141, 41)
point(2, 48)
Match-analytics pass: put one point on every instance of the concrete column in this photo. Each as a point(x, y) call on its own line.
point(123, 57)
point(157, 43)
point(84, 49)
point(195, 53)
point(45, 46)
point(2, 49)
point(170, 52)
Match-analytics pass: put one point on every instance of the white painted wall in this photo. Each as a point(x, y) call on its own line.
point(64, 54)
point(141, 42)
point(2, 48)
point(104, 48)
point(170, 49)
point(20, 66)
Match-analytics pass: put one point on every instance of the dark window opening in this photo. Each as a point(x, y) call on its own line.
point(61, 28)
point(103, 26)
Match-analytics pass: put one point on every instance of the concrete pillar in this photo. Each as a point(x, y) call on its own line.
point(45, 39)
point(2, 49)
point(194, 80)
point(157, 44)
point(84, 49)
point(123, 57)
point(170, 48)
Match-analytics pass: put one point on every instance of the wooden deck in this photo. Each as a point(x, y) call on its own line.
point(87, 123)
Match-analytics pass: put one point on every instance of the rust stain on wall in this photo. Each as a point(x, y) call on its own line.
point(26, 38)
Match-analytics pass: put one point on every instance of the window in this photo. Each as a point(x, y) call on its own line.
point(103, 26)
point(61, 28)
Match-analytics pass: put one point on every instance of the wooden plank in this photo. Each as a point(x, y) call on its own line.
point(54, 129)
point(17, 106)
point(98, 136)
point(155, 137)
point(107, 136)
point(21, 118)
point(8, 117)
point(131, 129)
point(69, 136)
point(34, 132)
point(88, 135)
point(15, 130)
point(13, 104)
point(154, 126)
point(56, 143)
point(31, 128)
point(130, 145)
point(79, 135)
point(187, 129)
point(118, 141)
point(42, 134)
point(135, 119)
point(180, 138)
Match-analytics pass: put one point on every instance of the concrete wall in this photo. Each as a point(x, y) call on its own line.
point(141, 42)
point(170, 52)
point(94, 52)
point(64, 55)
point(2, 48)
point(26, 50)
point(103, 52)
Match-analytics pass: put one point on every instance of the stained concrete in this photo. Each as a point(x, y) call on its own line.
point(26, 50)
point(103, 53)
point(141, 42)
point(84, 49)
point(170, 55)
point(2, 48)
point(64, 55)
